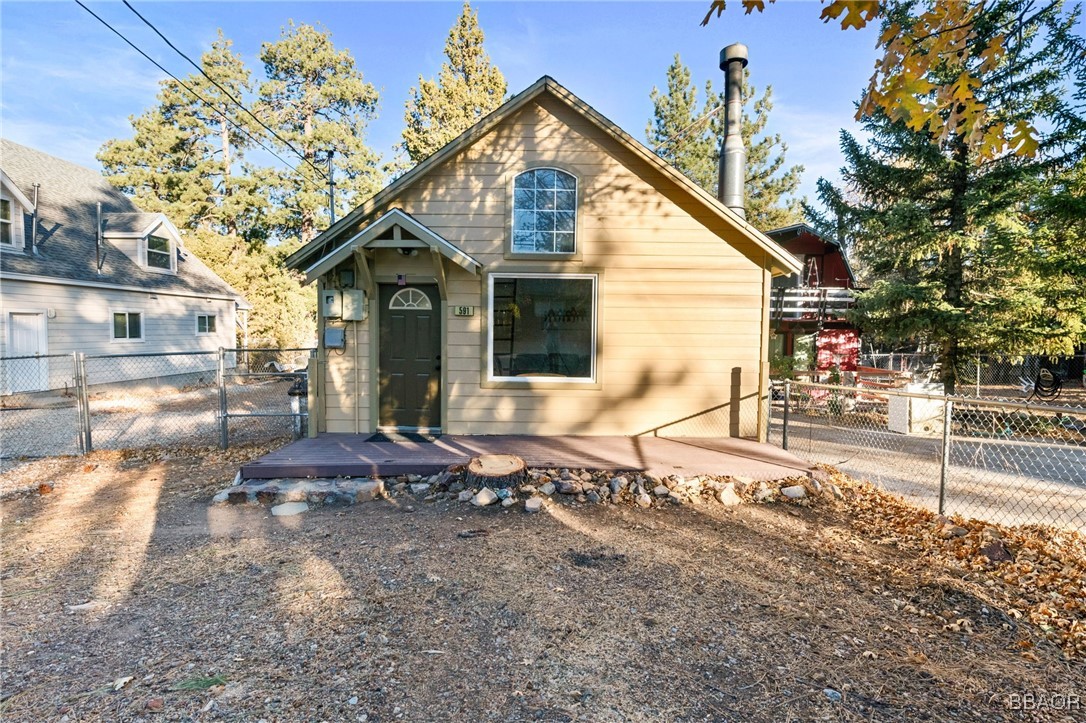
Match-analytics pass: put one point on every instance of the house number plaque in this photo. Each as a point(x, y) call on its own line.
point(463, 311)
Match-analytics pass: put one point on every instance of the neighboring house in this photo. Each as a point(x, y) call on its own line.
point(543, 273)
point(65, 287)
point(809, 310)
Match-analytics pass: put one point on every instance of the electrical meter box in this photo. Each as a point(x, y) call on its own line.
point(335, 337)
point(331, 304)
point(354, 305)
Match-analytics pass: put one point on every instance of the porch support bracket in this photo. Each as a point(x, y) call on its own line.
point(439, 272)
point(362, 261)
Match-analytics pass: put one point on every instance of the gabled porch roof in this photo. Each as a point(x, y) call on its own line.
point(395, 229)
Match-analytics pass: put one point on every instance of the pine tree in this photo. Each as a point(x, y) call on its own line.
point(182, 157)
point(467, 88)
point(962, 247)
point(317, 101)
point(690, 141)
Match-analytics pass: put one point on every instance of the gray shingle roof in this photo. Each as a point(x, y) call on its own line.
point(67, 199)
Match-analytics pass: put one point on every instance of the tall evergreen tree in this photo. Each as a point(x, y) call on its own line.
point(467, 88)
point(962, 247)
point(182, 156)
point(690, 141)
point(316, 99)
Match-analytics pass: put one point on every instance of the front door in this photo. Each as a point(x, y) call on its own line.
point(26, 332)
point(409, 360)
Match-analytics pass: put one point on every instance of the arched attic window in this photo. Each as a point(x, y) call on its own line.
point(410, 299)
point(544, 212)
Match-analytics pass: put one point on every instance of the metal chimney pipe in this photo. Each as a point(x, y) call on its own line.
point(733, 154)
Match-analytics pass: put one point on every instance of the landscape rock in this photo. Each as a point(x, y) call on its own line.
point(484, 497)
point(586, 476)
point(643, 500)
point(366, 490)
point(418, 488)
point(220, 498)
point(794, 492)
point(504, 493)
point(569, 487)
point(661, 491)
point(533, 504)
point(727, 496)
point(617, 484)
point(547, 488)
point(996, 551)
point(414, 479)
point(287, 509)
point(509, 501)
point(594, 496)
point(952, 530)
point(836, 491)
point(763, 493)
point(465, 496)
point(832, 694)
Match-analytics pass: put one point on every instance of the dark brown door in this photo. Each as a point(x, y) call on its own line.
point(409, 360)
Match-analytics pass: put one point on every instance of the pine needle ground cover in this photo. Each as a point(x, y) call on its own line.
point(126, 595)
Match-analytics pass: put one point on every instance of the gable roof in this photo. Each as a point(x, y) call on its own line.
point(68, 195)
point(372, 237)
point(756, 243)
point(787, 234)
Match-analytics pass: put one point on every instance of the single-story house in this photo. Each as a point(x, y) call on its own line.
point(102, 280)
point(544, 273)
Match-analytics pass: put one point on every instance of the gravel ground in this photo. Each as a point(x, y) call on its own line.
point(125, 595)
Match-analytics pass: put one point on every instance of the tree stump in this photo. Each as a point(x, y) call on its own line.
point(495, 471)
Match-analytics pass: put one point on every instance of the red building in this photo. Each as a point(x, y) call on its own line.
point(809, 311)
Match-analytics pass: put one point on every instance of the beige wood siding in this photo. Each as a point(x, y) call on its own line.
point(679, 309)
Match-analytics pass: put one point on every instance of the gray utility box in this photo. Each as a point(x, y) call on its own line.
point(908, 415)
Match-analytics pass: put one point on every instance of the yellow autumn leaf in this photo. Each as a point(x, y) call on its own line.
point(750, 6)
point(857, 12)
point(1024, 139)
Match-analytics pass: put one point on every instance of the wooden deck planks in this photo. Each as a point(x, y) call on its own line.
point(349, 455)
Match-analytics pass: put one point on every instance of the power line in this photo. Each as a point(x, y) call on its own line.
point(227, 93)
point(193, 92)
point(680, 137)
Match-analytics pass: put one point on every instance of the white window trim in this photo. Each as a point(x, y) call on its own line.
point(127, 340)
point(18, 232)
point(173, 253)
point(212, 316)
point(490, 377)
point(576, 214)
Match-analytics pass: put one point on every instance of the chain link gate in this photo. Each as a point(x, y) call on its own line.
point(54, 405)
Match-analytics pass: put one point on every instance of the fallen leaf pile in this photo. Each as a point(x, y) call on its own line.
point(1033, 572)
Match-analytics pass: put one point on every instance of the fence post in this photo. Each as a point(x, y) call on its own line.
point(787, 405)
point(81, 423)
point(978, 376)
point(224, 431)
point(83, 397)
point(944, 467)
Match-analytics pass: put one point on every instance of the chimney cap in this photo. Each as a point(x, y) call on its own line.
point(735, 51)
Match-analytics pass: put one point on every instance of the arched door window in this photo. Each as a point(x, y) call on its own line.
point(410, 299)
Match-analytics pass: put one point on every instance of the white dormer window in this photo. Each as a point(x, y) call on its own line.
point(159, 253)
point(11, 226)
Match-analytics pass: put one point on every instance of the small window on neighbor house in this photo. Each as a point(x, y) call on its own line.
point(7, 224)
point(205, 323)
point(158, 253)
point(127, 325)
point(544, 212)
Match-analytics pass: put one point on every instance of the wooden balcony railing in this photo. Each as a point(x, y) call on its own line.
point(811, 304)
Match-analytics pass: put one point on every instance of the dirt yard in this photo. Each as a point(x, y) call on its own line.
point(126, 596)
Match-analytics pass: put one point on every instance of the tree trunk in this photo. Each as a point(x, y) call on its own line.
point(495, 471)
point(954, 266)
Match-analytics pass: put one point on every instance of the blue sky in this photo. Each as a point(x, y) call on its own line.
point(69, 84)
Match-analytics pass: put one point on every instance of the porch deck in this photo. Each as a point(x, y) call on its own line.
point(350, 455)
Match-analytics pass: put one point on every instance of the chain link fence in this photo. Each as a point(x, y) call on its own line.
point(996, 377)
point(1007, 462)
point(72, 404)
